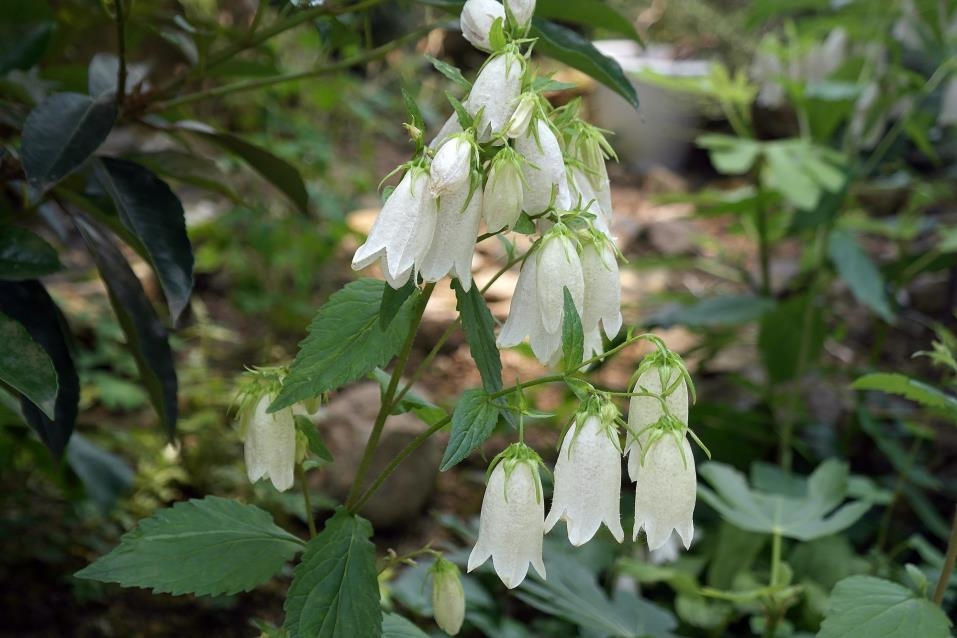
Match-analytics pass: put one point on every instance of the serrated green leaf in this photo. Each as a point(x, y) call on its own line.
point(25, 255)
point(479, 327)
point(393, 300)
point(154, 215)
point(335, 591)
point(900, 384)
point(859, 272)
point(346, 341)
point(565, 45)
point(316, 445)
point(573, 338)
point(869, 607)
point(473, 420)
point(207, 546)
point(61, 133)
point(815, 513)
point(26, 367)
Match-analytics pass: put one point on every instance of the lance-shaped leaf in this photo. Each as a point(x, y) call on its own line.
point(590, 13)
point(479, 329)
point(900, 384)
point(25, 255)
point(61, 133)
point(209, 547)
point(346, 341)
point(809, 509)
point(154, 215)
point(573, 339)
point(26, 367)
point(29, 303)
point(473, 420)
point(859, 272)
point(335, 590)
point(146, 337)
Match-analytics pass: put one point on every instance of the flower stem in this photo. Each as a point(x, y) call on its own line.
point(420, 370)
point(948, 566)
point(773, 610)
point(306, 499)
point(386, 407)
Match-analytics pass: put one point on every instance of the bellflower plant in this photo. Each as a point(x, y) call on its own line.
point(270, 438)
point(448, 597)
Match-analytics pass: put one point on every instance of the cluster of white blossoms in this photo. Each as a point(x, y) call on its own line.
point(587, 488)
point(508, 160)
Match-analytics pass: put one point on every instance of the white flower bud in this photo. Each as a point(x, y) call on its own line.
point(270, 443)
point(456, 230)
point(522, 116)
point(451, 165)
point(403, 231)
point(477, 19)
point(644, 412)
point(602, 302)
point(494, 94)
point(587, 481)
point(502, 203)
point(544, 169)
point(521, 10)
point(512, 523)
point(448, 597)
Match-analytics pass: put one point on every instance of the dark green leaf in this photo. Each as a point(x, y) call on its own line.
point(29, 303)
point(316, 445)
point(392, 301)
point(188, 168)
point(792, 335)
point(25, 30)
point(859, 272)
point(573, 338)
point(451, 72)
point(345, 342)
point(146, 337)
point(335, 591)
point(104, 475)
point(211, 546)
point(900, 384)
point(868, 607)
point(275, 170)
point(25, 366)
point(525, 225)
point(726, 310)
point(590, 13)
point(479, 326)
point(61, 133)
point(473, 420)
point(25, 255)
point(565, 45)
point(395, 626)
point(154, 214)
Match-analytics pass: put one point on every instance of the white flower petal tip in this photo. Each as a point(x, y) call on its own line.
point(521, 10)
point(665, 491)
point(477, 19)
point(511, 527)
point(270, 445)
point(451, 165)
point(587, 483)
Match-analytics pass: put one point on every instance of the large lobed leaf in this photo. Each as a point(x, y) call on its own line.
point(346, 341)
point(210, 546)
point(335, 590)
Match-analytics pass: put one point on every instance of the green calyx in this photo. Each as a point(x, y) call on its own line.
point(513, 456)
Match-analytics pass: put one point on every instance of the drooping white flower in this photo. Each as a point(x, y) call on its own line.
point(537, 309)
point(665, 488)
point(502, 201)
point(521, 10)
point(477, 19)
point(512, 522)
point(453, 243)
point(495, 92)
point(645, 411)
point(448, 596)
point(544, 170)
point(587, 481)
point(403, 230)
point(602, 301)
point(451, 165)
point(270, 443)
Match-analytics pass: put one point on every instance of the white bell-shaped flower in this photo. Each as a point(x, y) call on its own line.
point(502, 201)
point(645, 411)
point(544, 169)
point(587, 481)
point(477, 19)
point(270, 443)
point(451, 165)
point(537, 309)
point(602, 302)
point(494, 95)
point(403, 230)
point(512, 523)
point(521, 10)
point(456, 230)
point(665, 487)
point(448, 596)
